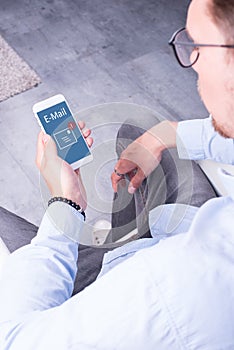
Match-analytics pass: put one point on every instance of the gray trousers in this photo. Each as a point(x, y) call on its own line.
point(173, 181)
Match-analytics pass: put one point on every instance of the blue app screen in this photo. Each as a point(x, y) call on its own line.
point(58, 122)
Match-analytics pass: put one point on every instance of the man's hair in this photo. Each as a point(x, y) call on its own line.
point(222, 13)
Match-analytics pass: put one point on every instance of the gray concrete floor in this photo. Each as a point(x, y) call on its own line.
point(94, 52)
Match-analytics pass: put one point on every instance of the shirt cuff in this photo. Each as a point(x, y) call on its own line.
point(189, 139)
point(61, 219)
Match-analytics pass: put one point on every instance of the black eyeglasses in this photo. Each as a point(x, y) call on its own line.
point(186, 51)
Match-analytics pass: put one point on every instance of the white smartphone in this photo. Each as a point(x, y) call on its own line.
point(56, 119)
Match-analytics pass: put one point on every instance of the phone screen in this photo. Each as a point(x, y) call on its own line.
point(58, 122)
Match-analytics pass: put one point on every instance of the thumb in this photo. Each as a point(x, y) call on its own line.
point(50, 149)
point(45, 148)
point(136, 181)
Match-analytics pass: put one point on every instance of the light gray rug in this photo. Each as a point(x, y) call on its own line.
point(15, 74)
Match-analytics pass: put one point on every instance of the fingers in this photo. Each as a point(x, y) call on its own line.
point(40, 149)
point(87, 137)
point(46, 148)
point(81, 124)
point(115, 179)
point(89, 141)
point(86, 133)
point(123, 166)
point(136, 181)
point(136, 175)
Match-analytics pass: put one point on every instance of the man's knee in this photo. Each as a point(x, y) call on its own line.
point(130, 130)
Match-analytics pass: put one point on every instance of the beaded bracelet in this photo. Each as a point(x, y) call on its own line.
point(68, 201)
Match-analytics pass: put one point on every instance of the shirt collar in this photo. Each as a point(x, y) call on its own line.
point(227, 180)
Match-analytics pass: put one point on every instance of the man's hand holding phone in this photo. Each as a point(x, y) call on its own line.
point(56, 119)
point(60, 178)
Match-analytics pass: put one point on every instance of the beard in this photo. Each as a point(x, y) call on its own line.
point(220, 129)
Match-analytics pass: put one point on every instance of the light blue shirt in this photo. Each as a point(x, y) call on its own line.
point(176, 294)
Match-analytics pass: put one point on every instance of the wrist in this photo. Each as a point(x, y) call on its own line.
point(62, 219)
point(69, 202)
point(76, 196)
point(164, 134)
